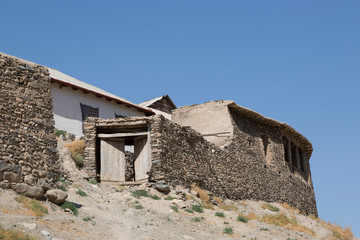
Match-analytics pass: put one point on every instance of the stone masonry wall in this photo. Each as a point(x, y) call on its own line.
point(240, 171)
point(27, 139)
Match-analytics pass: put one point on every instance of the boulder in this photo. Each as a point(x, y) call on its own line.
point(44, 185)
point(34, 192)
point(20, 188)
point(56, 196)
point(162, 187)
point(12, 177)
point(179, 203)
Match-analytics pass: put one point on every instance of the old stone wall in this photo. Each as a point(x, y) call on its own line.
point(240, 171)
point(27, 139)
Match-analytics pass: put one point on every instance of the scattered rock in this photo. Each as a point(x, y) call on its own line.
point(179, 203)
point(162, 187)
point(31, 226)
point(34, 192)
point(12, 177)
point(5, 185)
point(20, 188)
point(56, 196)
point(16, 168)
point(45, 233)
point(44, 185)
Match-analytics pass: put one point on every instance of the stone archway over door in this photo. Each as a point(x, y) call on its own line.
point(112, 160)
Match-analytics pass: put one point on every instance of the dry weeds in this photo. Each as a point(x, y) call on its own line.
point(203, 195)
point(76, 147)
point(337, 231)
point(282, 220)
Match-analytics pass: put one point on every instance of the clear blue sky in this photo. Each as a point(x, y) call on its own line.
point(295, 61)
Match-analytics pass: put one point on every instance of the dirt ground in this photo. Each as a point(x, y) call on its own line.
point(113, 212)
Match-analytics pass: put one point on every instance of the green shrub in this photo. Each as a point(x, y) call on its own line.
point(189, 210)
point(175, 208)
point(196, 219)
point(63, 188)
point(264, 229)
point(197, 208)
point(87, 219)
point(225, 222)
point(140, 193)
point(241, 219)
point(270, 207)
point(219, 214)
point(81, 193)
point(94, 182)
point(79, 160)
point(139, 206)
point(33, 205)
point(154, 197)
point(58, 133)
point(228, 230)
point(169, 198)
point(70, 206)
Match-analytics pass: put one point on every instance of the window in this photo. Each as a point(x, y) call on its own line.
point(88, 111)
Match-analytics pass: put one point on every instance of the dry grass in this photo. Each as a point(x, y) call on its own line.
point(337, 231)
point(313, 217)
point(288, 207)
point(251, 216)
point(218, 200)
point(203, 195)
point(283, 221)
point(270, 207)
point(7, 234)
point(229, 207)
point(36, 208)
point(76, 147)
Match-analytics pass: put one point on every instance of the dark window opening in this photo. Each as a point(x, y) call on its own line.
point(88, 111)
point(265, 140)
point(286, 150)
point(293, 155)
point(301, 156)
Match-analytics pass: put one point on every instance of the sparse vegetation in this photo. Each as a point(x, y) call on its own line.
point(283, 221)
point(33, 205)
point(71, 206)
point(87, 219)
point(225, 222)
point(7, 234)
point(229, 207)
point(197, 208)
point(241, 219)
point(288, 207)
point(58, 133)
point(94, 182)
point(81, 193)
point(155, 197)
point(175, 208)
point(270, 207)
point(251, 216)
point(264, 229)
point(218, 200)
point(140, 193)
point(203, 195)
point(189, 210)
point(139, 206)
point(62, 188)
point(219, 214)
point(76, 149)
point(338, 232)
point(228, 230)
point(196, 219)
point(169, 198)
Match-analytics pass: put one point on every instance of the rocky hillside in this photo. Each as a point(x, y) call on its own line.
point(97, 211)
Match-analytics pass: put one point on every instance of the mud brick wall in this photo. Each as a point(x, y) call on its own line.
point(27, 138)
point(239, 171)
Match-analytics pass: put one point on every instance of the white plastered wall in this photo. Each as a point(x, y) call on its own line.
point(67, 110)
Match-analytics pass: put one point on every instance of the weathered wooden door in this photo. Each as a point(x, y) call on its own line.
point(142, 157)
point(112, 160)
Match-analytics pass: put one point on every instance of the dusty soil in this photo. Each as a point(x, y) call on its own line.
point(114, 215)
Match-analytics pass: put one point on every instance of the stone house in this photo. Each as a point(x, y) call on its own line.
point(161, 105)
point(227, 149)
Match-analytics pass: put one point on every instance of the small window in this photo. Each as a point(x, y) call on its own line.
point(88, 111)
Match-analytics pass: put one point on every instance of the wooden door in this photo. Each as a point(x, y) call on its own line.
point(142, 157)
point(112, 160)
